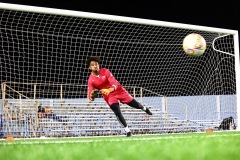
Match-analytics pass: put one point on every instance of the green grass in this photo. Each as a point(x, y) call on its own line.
point(195, 146)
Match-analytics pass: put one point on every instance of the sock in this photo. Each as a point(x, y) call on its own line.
point(127, 129)
point(144, 108)
point(136, 105)
point(116, 109)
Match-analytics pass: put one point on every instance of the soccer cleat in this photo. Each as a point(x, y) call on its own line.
point(129, 134)
point(148, 111)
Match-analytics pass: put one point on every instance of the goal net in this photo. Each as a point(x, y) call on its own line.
point(43, 62)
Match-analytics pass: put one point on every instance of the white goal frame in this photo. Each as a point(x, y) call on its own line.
point(141, 21)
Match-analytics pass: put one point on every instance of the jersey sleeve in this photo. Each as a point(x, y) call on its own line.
point(90, 87)
point(111, 79)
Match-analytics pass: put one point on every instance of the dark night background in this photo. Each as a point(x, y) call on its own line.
point(219, 15)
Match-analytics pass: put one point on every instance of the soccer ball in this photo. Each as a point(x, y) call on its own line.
point(194, 45)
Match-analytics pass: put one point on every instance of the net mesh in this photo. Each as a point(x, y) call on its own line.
point(43, 56)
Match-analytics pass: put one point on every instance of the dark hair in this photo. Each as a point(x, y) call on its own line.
point(93, 58)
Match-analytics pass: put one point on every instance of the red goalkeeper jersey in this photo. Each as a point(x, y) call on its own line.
point(106, 80)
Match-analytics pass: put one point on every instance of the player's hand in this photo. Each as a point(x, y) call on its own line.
point(93, 95)
point(106, 91)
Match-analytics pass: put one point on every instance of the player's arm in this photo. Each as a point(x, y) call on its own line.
point(92, 92)
point(112, 81)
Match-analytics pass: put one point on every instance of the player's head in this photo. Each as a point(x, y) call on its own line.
point(93, 63)
point(93, 58)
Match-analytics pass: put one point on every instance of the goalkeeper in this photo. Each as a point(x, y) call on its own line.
point(112, 91)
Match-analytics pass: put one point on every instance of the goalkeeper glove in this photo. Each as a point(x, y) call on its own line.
point(106, 91)
point(93, 95)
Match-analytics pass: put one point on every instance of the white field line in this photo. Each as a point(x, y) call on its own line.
point(96, 140)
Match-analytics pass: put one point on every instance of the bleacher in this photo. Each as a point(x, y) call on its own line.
point(74, 119)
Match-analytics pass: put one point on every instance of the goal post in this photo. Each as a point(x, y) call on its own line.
point(44, 52)
point(237, 68)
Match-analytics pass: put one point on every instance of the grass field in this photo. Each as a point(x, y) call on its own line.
point(195, 146)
